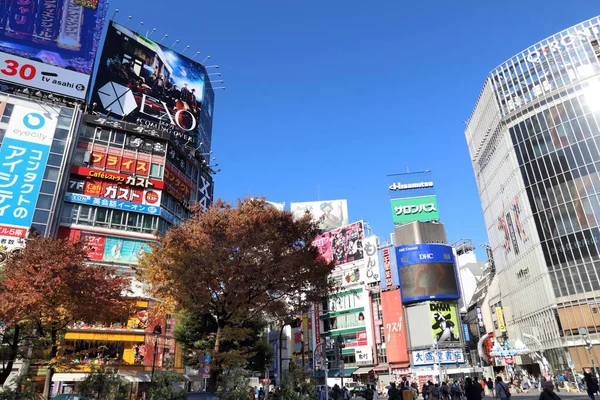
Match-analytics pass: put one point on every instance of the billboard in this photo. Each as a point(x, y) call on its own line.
point(50, 44)
point(442, 356)
point(411, 209)
point(411, 184)
point(444, 325)
point(371, 261)
point(141, 81)
point(500, 319)
point(330, 214)
point(23, 156)
point(112, 191)
point(394, 326)
point(427, 271)
point(342, 245)
point(108, 248)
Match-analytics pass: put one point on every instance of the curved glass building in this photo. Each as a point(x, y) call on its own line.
point(534, 141)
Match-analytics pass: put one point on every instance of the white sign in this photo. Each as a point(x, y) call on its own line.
point(42, 76)
point(440, 356)
point(364, 355)
point(408, 186)
point(371, 259)
point(330, 214)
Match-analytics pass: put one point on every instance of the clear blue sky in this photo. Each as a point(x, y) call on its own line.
point(336, 94)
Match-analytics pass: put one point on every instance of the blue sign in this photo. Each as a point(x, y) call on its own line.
point(466, 332)
point(116, 204)
point(410, 184)
point(207, 358)
point(169, 217)
point(423, 254)
point(23, 158)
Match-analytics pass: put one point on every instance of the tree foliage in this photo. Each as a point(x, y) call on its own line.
point(167, 386)
point(46, 287)
point(234, 385)
point(237, 264)
point(103, 384)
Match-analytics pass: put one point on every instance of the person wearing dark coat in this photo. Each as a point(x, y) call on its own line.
point(591, 384)
point(472, 390)
point(548, 392)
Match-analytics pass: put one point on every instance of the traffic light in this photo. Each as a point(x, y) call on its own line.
point(339, 346)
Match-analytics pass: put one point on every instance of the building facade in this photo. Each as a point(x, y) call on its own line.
point(534, 138)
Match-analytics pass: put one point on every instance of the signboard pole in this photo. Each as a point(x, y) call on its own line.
point(323, 350)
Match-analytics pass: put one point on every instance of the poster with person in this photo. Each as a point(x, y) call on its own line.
point(444, 325)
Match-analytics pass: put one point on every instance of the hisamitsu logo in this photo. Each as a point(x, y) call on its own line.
point(34, 121)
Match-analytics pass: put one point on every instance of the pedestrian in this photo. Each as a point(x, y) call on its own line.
point(375, 393)
point(455, 391)
point(369, 393)
point(425, 390)
point(261, 394)
point(548, 392)
point(472, 390)
point(435, 392)
point(502, 391)
point(393, 392)
point(345, 393)
point(337, 392)
point(490, 387)
point(445, 391)
point(591, 384)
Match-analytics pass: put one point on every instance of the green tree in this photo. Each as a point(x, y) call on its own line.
point(103, 384)
point(234, 385)
point(297, 384)
point(237, 265)
point(167, 386)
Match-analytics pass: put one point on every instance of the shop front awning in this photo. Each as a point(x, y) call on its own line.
point(194, 378)
point(363, 371)
point(335, 373)
point(68, 377)
point(381, 368)
point(135, 376)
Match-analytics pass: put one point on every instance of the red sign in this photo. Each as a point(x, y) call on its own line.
point(317, 325)
point(114, 177)
point(12, 231)
point(361, 338)
point(118, 163)
point(387, 267)
point(180, 185)
point(394, 326)
point(94, 244)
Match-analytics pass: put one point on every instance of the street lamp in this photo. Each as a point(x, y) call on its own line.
point(157, 331)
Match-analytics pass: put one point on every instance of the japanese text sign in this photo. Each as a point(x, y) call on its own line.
point(394, 326)
point(23, 158)
point(371, 259)
point(116, 204)
point(441, 356)
point(387, 267)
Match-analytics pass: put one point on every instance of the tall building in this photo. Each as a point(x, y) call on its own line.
point(534, 141)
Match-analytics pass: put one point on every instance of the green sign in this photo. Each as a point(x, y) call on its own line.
point(415, 209)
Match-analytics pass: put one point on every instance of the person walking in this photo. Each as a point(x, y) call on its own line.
point(591, 384)
point(501, 388)
point(490, 387)
point(548, 392)
point(393, 392)
point(425, 390)
point(455, 391)
point(472, 390)
point(369, 393)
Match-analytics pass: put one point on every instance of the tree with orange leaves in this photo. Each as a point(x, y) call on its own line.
point(48, 286)
point(236, 265)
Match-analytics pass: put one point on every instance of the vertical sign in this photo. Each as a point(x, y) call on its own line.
point(500, 319)
point(387, 267)
point(393, 323)
point(480, 320)
point(317, 325)
point(23, 158)
point(371, 259)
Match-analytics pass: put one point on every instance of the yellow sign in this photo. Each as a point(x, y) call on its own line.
point(500, 319)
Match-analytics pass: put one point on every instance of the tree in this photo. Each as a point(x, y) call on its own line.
point(47, 287)
point(103, 384)
point(237, 265)
point(234, 385)
point(167, 386)
point(296, 384)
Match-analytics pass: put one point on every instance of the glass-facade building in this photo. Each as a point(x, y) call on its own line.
point(534, 141)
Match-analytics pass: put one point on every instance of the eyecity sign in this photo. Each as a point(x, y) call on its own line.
point(414, 209)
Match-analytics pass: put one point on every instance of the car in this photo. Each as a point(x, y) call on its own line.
point(358, 390)
point(71, 396)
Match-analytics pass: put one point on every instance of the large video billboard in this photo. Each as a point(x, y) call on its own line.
point(23, 156)
point(331, 214)
point(50, 44)
point(427, 271)
point(142, 81)
point(415, 209)
point(342, 245)
point(394, 327)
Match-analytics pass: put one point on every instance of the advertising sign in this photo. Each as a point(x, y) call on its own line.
point(330, 214)
point(142, 81)
point(317, 316)
point(394, 328)
point(427, 271)
point(387, 267)
point(205, 191)
point(364, 355)
point(415, 209)
point(114, 162)
point(444, 325)
point(112, 191)
point(371, 259)
point(116, 204)
point(108, 248)
point(342, 245)
point(441, 356)
point(500, 319)
point(412, 184)
point(131, 180)
point(480, 320)
point(50, 44)
point(23, 158)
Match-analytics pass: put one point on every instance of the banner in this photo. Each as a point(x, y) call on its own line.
point(330, 214)
point(142, 81)
point(342, 245)
point(23, 156)
point(50, 44)
point(364, 355)
point(371, 260)
point(500, 319)
point(441, 356)
point(394, 327)
point(387, 267)
point(112, 191)
point(114, 177)
point(427, 271)
point(444, 325)
point(115, 204)
point(415, 209)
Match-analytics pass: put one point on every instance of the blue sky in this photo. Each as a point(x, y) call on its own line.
point(327, 97)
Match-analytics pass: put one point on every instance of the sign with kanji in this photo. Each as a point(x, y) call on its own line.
point(130, 180)
point(116, 204)
point(439, 356)
point(364, 355)
point(23, 158)
point(113, 191)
